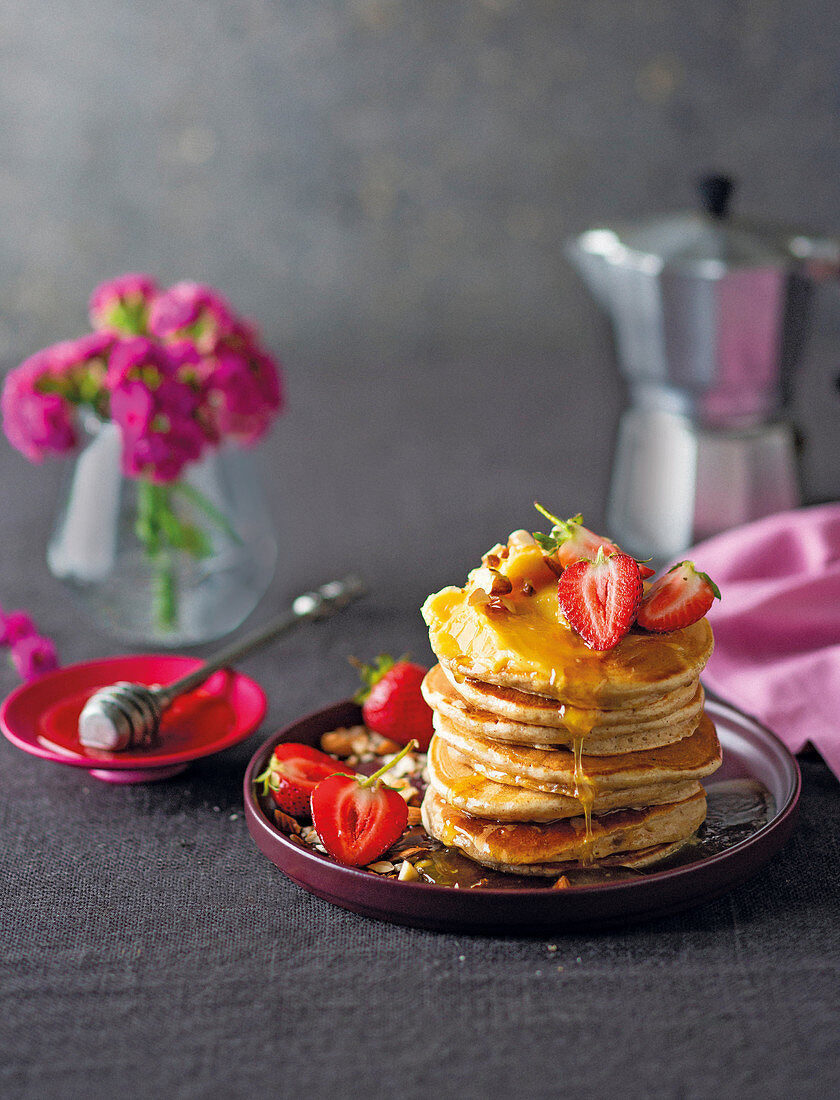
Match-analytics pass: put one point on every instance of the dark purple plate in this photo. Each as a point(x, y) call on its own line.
point(749, 752)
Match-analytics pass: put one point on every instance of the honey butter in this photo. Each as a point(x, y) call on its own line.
point(510, 632)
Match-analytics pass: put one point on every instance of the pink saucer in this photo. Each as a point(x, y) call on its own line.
point(42, 717)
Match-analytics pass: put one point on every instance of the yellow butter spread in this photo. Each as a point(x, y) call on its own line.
point(523, 636)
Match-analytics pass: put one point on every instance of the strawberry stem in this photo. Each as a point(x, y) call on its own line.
point(369, 780)
point(547, 515)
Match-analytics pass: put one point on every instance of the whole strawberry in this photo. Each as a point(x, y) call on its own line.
point(392, 704)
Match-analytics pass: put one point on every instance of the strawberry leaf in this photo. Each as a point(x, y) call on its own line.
point(371, 674)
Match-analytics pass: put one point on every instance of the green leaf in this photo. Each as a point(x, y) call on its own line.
point(561, 532)
point(372, 674)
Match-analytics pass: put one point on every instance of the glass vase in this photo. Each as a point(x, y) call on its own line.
point(168, 564)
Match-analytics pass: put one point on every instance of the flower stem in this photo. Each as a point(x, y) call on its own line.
point(154, 510)
point(165, 593)
point(164, 534)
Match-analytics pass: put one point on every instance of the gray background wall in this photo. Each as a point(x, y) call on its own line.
point(386, 185)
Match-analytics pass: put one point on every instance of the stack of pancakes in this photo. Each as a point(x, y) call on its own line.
point(547, 753)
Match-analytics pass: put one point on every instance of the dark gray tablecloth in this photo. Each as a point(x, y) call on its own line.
point(387, 189)
point(149, 949)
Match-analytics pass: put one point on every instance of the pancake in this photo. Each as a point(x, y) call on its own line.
point(521, 641)
point(476, 707)
point(547, 752)
point(452, 776)
point(556, 771)
point(543, 848)
point(539, 710)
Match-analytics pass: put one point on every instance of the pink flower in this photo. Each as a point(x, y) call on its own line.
point(39, 396)
point(158, 413)
point(132, 407)
point(242, 389)
point(69, 356)
point(138, 359)
point(191, 311)
point(122, 304)
point(37, 419)
point(15, 625)
point(34, 655)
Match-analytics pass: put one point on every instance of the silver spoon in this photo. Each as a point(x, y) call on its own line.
point(127, 715)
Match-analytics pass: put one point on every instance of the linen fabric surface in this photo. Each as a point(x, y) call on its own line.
point(777, 626)
point(150, 950)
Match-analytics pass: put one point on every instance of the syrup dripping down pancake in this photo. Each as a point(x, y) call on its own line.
point(543, 848)
point(556, 770)
point(455, 780)
point(504, 715)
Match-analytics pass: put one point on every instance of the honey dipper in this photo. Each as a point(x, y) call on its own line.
point(127, 716)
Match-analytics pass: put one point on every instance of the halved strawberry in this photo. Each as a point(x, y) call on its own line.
point(294, 772)
point(599, 598)
point(358, 817)
point(677, 599)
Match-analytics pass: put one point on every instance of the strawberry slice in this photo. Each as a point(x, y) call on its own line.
point(677, 599)
point(293, 773)
point(358, 817)
point(599, 598)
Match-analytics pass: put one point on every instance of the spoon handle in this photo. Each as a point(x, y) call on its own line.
point(320, 604)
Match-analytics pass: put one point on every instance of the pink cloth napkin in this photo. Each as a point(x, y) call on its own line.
point(777, 626)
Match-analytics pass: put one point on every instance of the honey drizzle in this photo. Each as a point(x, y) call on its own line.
point(529, 636)
point(580, 722)
point(585, 794)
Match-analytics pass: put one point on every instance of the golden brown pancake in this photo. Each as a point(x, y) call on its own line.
point(547, 751)
point(523, 642)
point(478, 709)
point(553, 769)
point(538, 848)
point(452, 776)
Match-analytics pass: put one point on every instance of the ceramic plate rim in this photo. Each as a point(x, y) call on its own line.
point(577, 906)
point(115, 668)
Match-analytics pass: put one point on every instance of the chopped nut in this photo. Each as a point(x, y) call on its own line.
point(286, 823)
point(491, 581)
point(411, 851)
point(384, 746)
point(478, 598)
point(362, 743)
point(414, 815)
point(495, 555)
point(381, 867)
point(340, 742)
point(408, 873)
point(521, 538)
point(561, 884)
